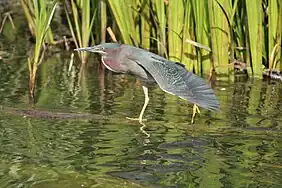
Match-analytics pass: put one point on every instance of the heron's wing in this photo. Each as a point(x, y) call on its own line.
point(173, 78)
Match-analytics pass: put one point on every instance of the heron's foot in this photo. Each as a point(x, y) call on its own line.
point(195, 111)
point(136, 119)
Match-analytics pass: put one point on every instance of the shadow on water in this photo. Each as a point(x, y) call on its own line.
point(239, 147)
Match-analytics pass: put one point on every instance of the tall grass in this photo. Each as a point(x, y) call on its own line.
point(30, 11)
point(255, 17)
point(175, 28)
point(145, 23)
point(220, 33)
point(207, 36)
point(40, 14)
point(274, 34)
point(80, 19)
point(159, 18)
point(201, 28)
point(235, 31)
point(125, 14)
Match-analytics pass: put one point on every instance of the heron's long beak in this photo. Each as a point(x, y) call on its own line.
point(95, 49)
point(85, 49)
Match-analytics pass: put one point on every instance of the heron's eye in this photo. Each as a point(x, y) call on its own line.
point(102, 48)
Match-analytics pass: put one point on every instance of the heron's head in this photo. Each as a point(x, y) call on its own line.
point(102, 49)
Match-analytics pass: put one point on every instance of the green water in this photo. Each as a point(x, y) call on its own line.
point(238, 147)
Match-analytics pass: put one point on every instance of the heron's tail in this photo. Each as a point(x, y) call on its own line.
point(199, 92)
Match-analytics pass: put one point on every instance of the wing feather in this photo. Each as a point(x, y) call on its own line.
point(176, 80)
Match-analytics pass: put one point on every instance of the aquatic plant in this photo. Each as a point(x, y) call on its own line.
point(39, 13)
point(30, 10)
point(238, 34)
point(80, 20)
point(235, 31)
point(125, 13)
point(275, 34)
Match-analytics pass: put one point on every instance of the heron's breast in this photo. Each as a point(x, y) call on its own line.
point(112, 64)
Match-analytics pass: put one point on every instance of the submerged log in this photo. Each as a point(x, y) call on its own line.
point(49, 114)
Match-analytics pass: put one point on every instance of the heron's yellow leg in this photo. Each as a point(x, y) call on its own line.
point(195, 111)
point(140, 118)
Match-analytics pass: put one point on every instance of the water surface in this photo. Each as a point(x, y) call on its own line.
point(238, 147)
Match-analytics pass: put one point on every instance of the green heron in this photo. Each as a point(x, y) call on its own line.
point(172, 77)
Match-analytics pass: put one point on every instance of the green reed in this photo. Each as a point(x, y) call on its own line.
point(30, 10)
point(255, 32)
point(125, 12)
point(274, 34)
point(80, 19)
point(159, 18)
point(145, 28)
point(175, 26)
point(207, 36)
point(39, 14)
point(201, 28)
point(234, 30)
